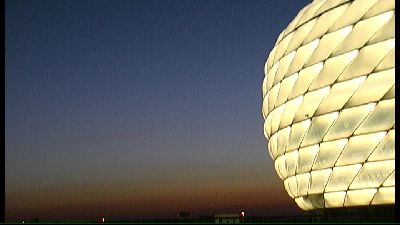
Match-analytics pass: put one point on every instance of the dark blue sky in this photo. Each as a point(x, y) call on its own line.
point(110, 101)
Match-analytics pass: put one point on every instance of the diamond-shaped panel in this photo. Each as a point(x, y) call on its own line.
point(328, 104)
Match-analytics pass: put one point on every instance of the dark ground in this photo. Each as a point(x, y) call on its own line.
point(370, 214)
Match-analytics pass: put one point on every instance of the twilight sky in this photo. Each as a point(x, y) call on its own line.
point(139, 109)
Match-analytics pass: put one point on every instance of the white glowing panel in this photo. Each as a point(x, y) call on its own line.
point(328, 104)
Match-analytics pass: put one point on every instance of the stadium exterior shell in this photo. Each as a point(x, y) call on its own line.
point(328, 104)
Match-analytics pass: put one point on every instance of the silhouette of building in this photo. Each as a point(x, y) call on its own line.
point(184, 215)
point(227, 218)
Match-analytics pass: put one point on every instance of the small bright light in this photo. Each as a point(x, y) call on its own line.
point(23, 221)
point(242, 214)
point(102, 220)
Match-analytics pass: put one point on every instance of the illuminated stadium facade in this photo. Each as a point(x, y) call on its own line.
point(329, 104)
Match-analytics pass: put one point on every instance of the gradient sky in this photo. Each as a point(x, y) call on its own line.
point(139, 109)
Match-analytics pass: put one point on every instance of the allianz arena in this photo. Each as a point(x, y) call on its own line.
point(329, 104)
